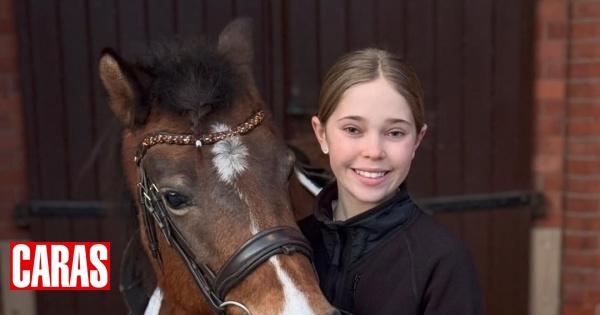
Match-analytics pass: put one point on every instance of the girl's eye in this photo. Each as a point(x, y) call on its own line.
point(175, 200)
point(396, 133)
point(351, 129)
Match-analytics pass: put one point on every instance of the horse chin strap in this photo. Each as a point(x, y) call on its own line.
point(256, 250)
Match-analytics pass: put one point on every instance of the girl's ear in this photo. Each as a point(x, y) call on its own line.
point(419, 138)
point(319, 130)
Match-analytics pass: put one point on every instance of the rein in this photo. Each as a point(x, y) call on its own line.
point(256, 250)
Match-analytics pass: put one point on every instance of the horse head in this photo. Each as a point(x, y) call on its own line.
point(209, 175)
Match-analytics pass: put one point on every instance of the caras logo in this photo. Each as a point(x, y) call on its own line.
point(60, 266)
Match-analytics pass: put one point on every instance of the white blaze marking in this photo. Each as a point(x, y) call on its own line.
point(229, 155)
point(295, 302)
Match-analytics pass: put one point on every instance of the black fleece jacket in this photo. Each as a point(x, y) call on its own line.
point(392, 259)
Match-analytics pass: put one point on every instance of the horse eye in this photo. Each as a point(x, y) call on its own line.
point(175, 200)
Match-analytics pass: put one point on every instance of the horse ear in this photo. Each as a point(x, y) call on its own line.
point(236, 41)
point(124, 86)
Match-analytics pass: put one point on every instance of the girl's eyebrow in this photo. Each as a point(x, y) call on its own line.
point(357, 118)
point(387, 121)
point(397, 121)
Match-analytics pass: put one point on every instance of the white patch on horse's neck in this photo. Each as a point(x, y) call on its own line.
point(229, 155)
point(295, 302)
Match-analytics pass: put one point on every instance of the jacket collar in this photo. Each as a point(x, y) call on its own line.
point(365, 230)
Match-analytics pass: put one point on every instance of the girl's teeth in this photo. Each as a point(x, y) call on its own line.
point(370, 174)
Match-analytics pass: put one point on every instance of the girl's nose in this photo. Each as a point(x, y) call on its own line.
point(373, 148)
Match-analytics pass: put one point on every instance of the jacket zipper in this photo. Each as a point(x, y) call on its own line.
point(354, 287)
point(341, 271)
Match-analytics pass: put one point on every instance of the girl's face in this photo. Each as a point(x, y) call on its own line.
point(371, 139)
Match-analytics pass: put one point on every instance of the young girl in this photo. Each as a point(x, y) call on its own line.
point(375, 251)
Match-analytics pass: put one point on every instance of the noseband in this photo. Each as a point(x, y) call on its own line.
point(256, 250)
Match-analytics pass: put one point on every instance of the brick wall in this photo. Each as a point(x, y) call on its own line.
point(567, 152)
point(581, 275)
point(12, 149)
point(550, 106)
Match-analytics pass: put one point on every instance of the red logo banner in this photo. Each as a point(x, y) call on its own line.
point(59, 265)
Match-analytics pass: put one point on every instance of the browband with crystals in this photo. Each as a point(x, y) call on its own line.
point(169, 138)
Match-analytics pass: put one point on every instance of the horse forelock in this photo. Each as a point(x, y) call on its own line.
point(189, 75)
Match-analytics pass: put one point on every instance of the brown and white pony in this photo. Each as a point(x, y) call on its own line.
point(209, 173)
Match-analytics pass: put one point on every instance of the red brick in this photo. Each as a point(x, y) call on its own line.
point(586, 186)
point(9, 65)
point(550, 144)
point(553, 182)
point(4, 9)
point(584, 109)
point(549, 126)
point(12, 178)
point(582, 127)
point(585, 30)
point(575, 224)
point(583, 148)
point(551, 11)
point(580, 276)
point(10, 46)
point(583, 167)
point(573, 296)
point(10, 195)
point(556, 30)
point(585, 242)
point(7, 124)
point(585, 9)
point(8, 86)
point(554, 70)
point(8, 230)
point(547, 163)
point(586, 89)
point(584, 69)
point(551, 50)
point(11, 160)
point(4, 86)
point(578, 204)
point(549, 89)
point(9, 104)
point(12, 140)
point(7, 11)
point(579, 260)
point(539, 30)
point(552, 108)
point(7, 26)
point(585, 50)
point(578, 309)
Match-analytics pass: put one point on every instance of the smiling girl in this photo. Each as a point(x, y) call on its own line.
point(376, 252)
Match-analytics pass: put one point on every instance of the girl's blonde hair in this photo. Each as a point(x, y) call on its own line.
point(366, 65)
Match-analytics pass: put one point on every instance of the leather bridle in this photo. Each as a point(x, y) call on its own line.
point(256, 250)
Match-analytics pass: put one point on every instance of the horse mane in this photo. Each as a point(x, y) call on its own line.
point(188, 75)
